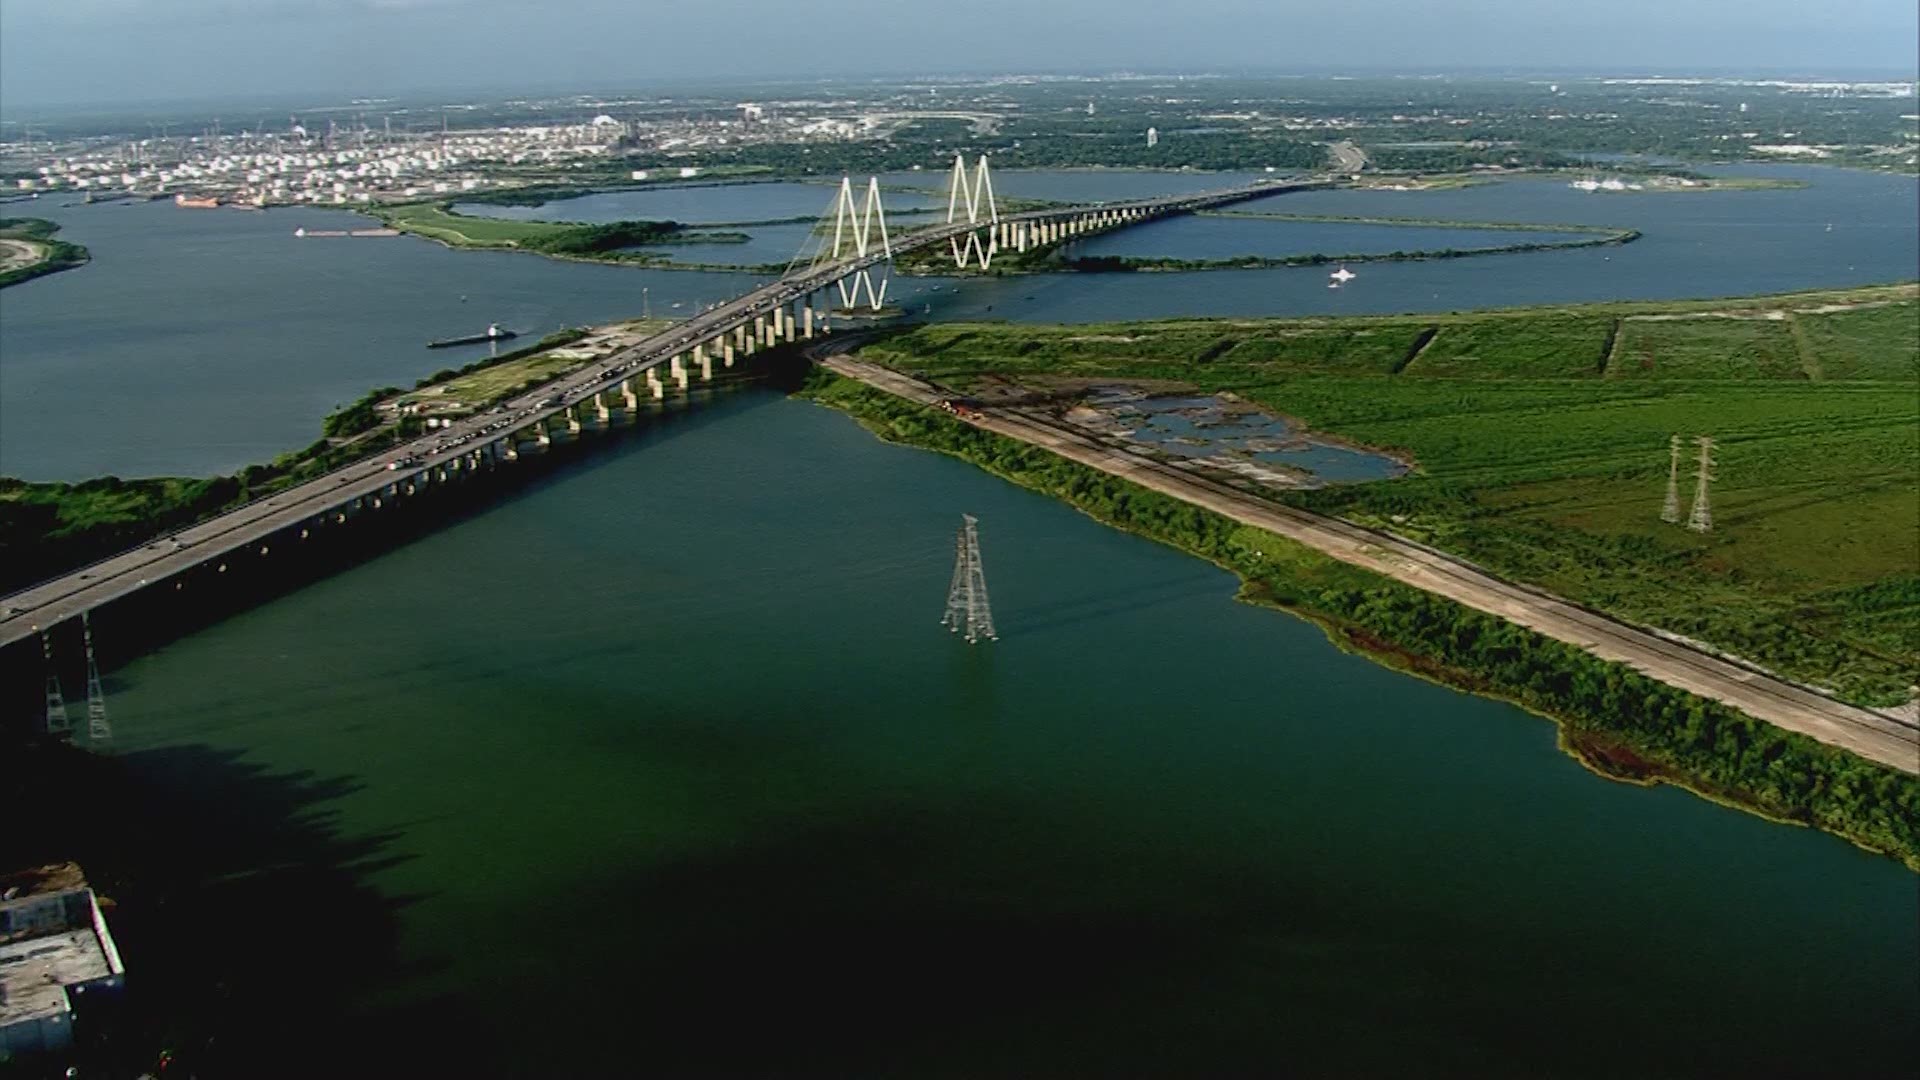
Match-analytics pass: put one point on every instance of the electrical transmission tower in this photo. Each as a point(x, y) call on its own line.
point(967, 607)
point(57, 722)
point(1701, 519)
point(1670, 512)
point(99, 735)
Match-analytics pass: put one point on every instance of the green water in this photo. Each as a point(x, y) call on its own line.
point(666, 765)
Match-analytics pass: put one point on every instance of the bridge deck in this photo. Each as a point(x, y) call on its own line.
point(24, 613)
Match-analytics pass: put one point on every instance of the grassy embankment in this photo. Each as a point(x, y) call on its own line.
point(1052, 257)
point(45, 255)
point(48, 529)
point(1619, 722)
point(612, 242)
point(1573, 236)
point(1541, 441)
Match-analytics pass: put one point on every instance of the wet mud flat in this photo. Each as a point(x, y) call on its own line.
point(1225, 435)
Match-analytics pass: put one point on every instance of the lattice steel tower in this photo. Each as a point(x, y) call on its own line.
point(1670, 512)
point(57, 722)
point(967, 607)
point(99, 735)
point(1701, 519)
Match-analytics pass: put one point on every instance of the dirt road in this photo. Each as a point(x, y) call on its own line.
point(20, 254)
point(1870, 734)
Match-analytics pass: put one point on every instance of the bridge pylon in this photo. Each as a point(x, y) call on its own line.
point(975, 200)
point(854, 233)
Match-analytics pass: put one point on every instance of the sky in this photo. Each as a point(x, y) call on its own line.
point(129, 52)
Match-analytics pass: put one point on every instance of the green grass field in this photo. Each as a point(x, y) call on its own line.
point(1539, 466)
point(433, 221)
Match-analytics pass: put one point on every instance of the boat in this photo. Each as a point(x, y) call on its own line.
point(494, 333)
point(191, 203)
point(1340, 277)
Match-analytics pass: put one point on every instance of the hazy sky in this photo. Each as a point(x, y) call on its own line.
point(128, 51)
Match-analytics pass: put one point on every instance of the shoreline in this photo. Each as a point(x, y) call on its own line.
point(55, 254)
point(1400, 656)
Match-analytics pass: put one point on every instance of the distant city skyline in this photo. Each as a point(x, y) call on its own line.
point(130, 52)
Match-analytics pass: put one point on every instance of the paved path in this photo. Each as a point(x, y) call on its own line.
point(1870, 734)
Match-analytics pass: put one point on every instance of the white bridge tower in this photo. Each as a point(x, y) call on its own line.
point(975, 199)
point(854, 227)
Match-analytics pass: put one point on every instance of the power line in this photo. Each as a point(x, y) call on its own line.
point(1670, 512)
point(57, 722)
point(99, 735)
point(967, 606)
point(1701, 519)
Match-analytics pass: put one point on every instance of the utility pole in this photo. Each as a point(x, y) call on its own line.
point(99, 735)
point(1701, 519)
point(57, 722)
point(967, 606)
point(1670, 512)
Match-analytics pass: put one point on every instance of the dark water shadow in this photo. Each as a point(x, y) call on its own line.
point(243, 915)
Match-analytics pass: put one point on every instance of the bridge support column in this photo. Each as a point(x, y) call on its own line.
point(678, 367)
point(726, 352)
point(654, 384)
point(506, 449)
point(706, 365)
point(760, 330)
point(573, 422)
point(632, 399)
point(806, 320)
point(786, 316)
point(542, 436)
point(600, 408)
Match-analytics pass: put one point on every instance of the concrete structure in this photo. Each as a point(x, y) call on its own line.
point(55, 949)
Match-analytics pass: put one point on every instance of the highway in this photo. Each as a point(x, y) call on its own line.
point(246, 530)
point(1873, 735)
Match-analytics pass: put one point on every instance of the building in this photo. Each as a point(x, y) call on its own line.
point(55, 950)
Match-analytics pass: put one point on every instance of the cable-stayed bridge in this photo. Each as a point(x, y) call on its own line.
point(675, 360)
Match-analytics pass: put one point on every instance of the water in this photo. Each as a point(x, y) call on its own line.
point(666, 766)
point(1228, 237)
point(198, 342)
point(1694, 245)
point(767, 245)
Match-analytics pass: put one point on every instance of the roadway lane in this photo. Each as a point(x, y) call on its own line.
point(247, 528)
point(1873, 735)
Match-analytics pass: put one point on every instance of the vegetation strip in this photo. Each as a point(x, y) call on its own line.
point(1621, 723)
point(45, 255)
point(1128, 263)
point(47, 529)
point(1415, 223)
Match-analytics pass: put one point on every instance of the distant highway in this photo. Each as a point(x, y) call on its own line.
point(249, 528)
point(1346, 157)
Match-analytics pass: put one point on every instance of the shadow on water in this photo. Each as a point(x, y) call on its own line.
point(136, 625)
point(243, 916)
